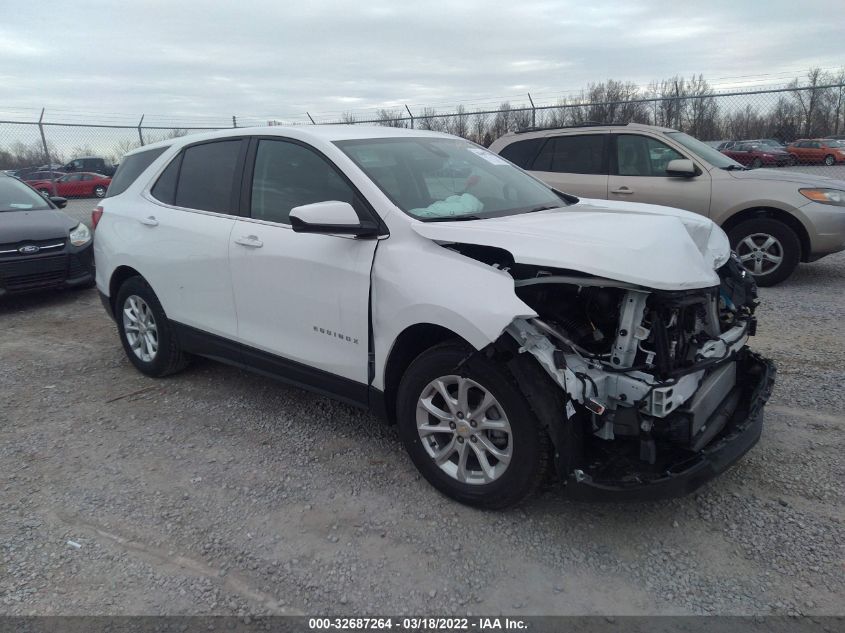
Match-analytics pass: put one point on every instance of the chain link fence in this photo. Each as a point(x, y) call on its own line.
point(800, 127)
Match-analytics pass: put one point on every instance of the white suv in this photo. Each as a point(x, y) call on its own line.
point(506, 327)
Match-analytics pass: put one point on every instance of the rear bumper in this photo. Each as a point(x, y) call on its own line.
point(741, 433)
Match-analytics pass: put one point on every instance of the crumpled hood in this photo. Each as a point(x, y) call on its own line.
point(35, 224)
point(809, 180)
point(647, 245)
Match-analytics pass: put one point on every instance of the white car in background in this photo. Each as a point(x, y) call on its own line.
point(507, 328)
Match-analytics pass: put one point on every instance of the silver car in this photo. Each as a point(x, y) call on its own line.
point(775, 219)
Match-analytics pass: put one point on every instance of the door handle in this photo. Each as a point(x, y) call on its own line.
point(251, 241)
point(623, 190)
point(149, 221)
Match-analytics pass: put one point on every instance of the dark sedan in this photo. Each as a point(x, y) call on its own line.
point(757, 155)
point(40, 246)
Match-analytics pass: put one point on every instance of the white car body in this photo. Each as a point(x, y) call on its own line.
point(335, 306)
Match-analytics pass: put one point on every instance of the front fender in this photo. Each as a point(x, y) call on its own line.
point(418, 281)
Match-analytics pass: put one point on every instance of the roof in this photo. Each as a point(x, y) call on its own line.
point(323, 133)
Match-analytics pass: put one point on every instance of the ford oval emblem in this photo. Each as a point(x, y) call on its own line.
point(29, 249)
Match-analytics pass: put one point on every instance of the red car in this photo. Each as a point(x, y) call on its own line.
point(81, 184)
point(757, 155)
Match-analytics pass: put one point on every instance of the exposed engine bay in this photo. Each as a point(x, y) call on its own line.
point(651, 376)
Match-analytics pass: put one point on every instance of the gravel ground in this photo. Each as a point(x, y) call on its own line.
point(219, 492)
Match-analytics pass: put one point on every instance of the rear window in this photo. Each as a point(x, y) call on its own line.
point(522, 153)
point(132, 167)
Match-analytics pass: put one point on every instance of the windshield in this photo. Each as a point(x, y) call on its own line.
point(16, 196)
point(712, 156)
point(444, 178)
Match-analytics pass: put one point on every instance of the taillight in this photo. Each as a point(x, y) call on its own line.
point(96, 214)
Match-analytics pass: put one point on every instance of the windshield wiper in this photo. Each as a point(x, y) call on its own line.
point(545, 207)
point(451, 218)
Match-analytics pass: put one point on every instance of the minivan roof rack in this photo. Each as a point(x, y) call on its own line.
point(566, 127)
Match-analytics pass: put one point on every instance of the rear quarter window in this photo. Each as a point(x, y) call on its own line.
point(132, 167)
point(522, 153)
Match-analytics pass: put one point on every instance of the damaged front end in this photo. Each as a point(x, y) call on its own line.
point(661, 392)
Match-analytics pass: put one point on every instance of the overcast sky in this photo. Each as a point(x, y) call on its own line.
point(188, 59)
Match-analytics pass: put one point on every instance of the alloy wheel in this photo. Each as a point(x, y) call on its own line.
point(760, 253)
point(464, 430)
point(139, 325)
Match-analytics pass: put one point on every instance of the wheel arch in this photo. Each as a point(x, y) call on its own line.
point(411, 342)
point(775, 214)
point(120, 275)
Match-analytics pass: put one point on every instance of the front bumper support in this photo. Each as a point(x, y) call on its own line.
point(740, 434)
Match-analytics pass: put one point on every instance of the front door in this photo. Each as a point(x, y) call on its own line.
point(302, 298)
point(639, 175)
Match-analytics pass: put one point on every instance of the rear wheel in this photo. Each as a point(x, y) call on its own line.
point(768, 249)
point(829, 160)
point(45, 192)
point(145, 332)
point(468, 428)
point(793, 160)
point(100, 191)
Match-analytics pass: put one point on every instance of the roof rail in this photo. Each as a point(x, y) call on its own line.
point(566, 127)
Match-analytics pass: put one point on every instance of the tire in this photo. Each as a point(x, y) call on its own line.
point(525, 447)
point(759, 232)
point(168, 357)
point(45, 192)
point(100, 191)
point(756, 163)
point(829, 160)
point(793, 161)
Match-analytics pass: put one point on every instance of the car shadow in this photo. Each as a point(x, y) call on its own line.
point(44, 299)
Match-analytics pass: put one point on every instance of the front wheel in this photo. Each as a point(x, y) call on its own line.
point(768, 249)
point(468, 428)
point(100, 191)
point(756, 164)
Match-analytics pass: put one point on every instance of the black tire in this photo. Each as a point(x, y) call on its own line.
point(789, 242)
point(829, 160)
point(530, 442)
point(45, 192)
point(756, 163)
point(793, 161)
point(169, 357)
point(99, 191)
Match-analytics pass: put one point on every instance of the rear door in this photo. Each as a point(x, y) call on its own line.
point(71, 185)
point(301, 298)
point(182, 241)
point(574, 163)
point(638, 174)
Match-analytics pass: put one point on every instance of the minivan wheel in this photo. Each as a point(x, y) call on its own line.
point(768, 249)
point(100, 191)
point(757, 163)
point(145, 332)
point(468, 428)
point(829, 160)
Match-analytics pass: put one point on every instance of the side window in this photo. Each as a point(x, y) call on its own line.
point(642, 155)
point(73, 178)
point(86, 177)
point(288, 175)
point(577, 154)
point(165, 187)
point(522, 153)
point(207, 176)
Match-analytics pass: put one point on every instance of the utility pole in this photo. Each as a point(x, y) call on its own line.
point(46, 150)
point(410, 115)
point(533, 111)
point(140, 134)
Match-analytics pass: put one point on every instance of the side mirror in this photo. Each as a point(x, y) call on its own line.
point(682, 167)
point(59, 201)
point(332, 217)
